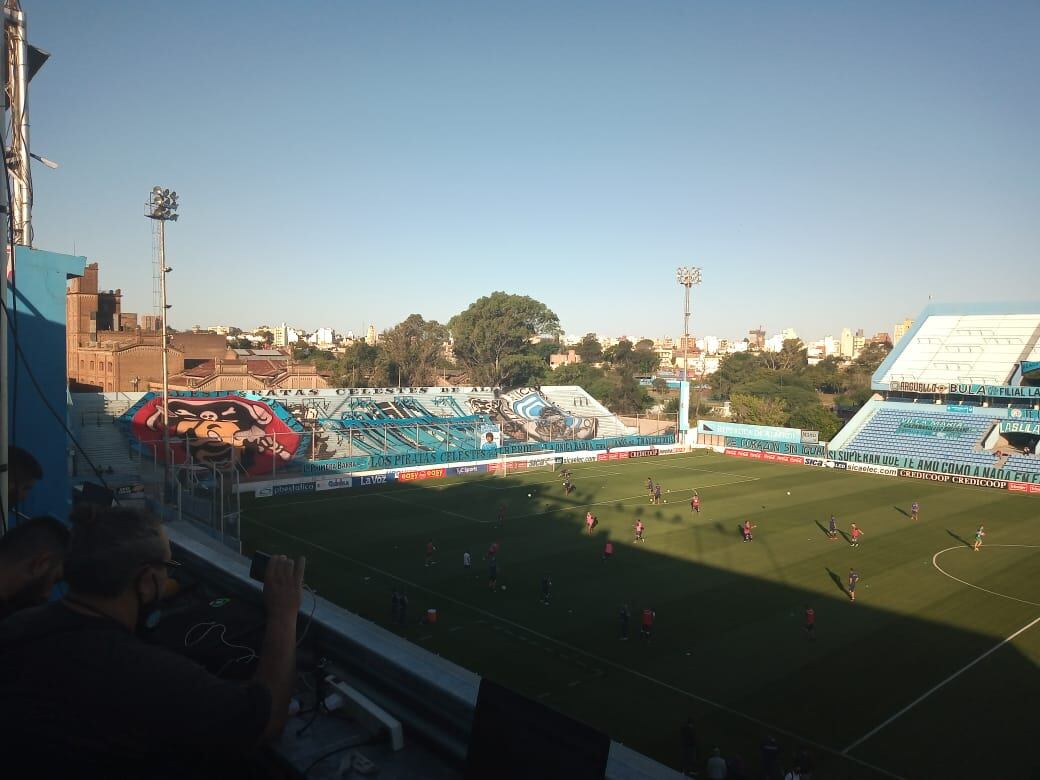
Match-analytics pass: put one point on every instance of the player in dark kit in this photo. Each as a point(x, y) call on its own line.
point(915, 510)
point(650, 487)
point(568, 486)
point(546, 589)
point(832, 529)
point(853, 581)
point(657, 493)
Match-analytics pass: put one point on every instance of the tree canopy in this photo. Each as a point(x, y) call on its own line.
point(493, 338)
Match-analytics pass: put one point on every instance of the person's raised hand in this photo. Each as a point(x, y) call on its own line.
point(283, 585)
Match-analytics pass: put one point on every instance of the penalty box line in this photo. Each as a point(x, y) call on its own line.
point(769, 727)
point(934, 688)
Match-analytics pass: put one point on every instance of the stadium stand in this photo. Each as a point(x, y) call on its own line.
point(955, 393)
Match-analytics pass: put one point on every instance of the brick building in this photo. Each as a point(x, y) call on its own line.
point(106, 352)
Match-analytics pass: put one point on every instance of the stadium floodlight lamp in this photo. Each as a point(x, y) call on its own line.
point(688, 277)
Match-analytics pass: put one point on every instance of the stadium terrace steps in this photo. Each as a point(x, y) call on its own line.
point(94, 418)
point(930, 432)
point(574, 399)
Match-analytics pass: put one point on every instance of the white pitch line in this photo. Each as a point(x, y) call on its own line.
point(934, 688)
point(769, 727)
point(935, 558)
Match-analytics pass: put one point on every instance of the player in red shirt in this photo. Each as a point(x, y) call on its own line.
point(430, 551)
point(608, 550)
point(747, 531)
point(810, 622)
point(639, 531)
point(492, 550)
point(855, 533)
point(648, 623)
point(695, 503)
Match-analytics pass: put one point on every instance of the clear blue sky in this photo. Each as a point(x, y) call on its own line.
point(828, 164)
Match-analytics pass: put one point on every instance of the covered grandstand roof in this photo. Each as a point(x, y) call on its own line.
point(964, 343)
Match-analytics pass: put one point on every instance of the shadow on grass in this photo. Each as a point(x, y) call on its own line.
point(959, 538)
point(845, 536)
point(836, 579)
point(901, 511)
point(823, 529)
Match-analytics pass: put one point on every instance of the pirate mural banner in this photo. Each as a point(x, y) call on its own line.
point(225, 431)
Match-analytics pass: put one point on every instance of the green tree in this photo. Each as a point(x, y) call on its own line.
point(620, 354)
point(815, 418)
point(411, 352)
point(589, 349)
point(660, 385)
point(627, 396)
point(493, 336)
point(643, 359)
point(758, 410)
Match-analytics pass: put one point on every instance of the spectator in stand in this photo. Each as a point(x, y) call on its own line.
point(688, 743)
point(23, 472)
point(31, 557)
point(716, 766)
point(82, 696)
point(770, 758)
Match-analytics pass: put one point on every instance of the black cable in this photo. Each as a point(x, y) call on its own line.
point(13, 384)
point(47, 404)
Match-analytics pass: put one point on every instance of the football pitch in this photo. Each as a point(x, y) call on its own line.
point(932, 672)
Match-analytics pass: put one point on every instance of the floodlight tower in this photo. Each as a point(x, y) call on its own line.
point(687, 277)
point(161, 206)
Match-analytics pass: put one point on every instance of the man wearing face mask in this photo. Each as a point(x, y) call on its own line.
point(81, 695)
point(31, 556)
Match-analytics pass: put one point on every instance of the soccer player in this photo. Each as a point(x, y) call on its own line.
point(590, 520)
point(650, 487)
point(832, 529)
point(747, 531)
point(431, 550)
point(639, 531)
point(855, 533)
point(657, 493)
point(915, 508)
point(810, 623)
point(853, 579)
point(979, 533)
point(647, 628)
point(502, 512)
point(492, 573)
point(608, 550)
point(467, 560)
point(568, 487)
point(492, 551)
point(546, 589)
point(695, 503)
point(623, 617)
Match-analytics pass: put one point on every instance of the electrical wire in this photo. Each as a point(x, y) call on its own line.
point(47, 404)
point(310, 617)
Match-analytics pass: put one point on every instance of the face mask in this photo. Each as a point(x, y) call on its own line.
point(148, 614)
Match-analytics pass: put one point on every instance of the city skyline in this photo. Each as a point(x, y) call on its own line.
point(820, 164)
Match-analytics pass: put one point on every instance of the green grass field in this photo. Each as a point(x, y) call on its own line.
point(729, 647)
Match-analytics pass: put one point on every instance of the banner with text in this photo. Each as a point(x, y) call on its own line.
point(1020, 426)
point(785, 447)
point(763, 432)
point(915, 463)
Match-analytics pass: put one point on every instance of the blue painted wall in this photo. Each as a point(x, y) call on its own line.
point(36, 297)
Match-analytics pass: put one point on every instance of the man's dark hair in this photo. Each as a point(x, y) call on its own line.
point(30, 537)
point(108, 548)
point(22, 466)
